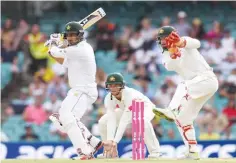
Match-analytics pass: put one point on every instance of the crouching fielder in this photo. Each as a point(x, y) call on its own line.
point(119, 114)
point(200, 83)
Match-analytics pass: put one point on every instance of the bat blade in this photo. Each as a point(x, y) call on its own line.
point(92, 18)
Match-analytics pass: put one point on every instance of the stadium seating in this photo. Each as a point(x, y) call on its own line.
point(156, 11)
point(21, 58)
point(6, 74)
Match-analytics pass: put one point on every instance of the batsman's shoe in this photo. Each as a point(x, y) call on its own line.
point(54, 117)
point(99, 146)
point(164, 113)
point(154, 155)
point(190, 156)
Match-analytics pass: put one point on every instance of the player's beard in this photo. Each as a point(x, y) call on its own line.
point(71, 43)
point(74, 42)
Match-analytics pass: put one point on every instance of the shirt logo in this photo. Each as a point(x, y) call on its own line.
point(68, 27)
point(112, 78)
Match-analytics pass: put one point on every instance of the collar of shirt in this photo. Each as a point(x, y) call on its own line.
point(79, 43)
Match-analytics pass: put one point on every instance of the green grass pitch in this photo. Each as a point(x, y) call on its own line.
point(119, 161)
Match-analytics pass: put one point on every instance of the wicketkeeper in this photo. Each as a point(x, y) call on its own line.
point(180, 54)
point(112, 125)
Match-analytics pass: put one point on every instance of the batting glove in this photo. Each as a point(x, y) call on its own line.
point(55, 39)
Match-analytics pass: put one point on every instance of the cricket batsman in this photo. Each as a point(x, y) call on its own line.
point(200, 83)
point(112, 125)
point(78, 58)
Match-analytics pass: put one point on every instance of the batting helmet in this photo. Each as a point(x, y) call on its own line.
point(73, 27)
point(164, 32)
point(115, 78)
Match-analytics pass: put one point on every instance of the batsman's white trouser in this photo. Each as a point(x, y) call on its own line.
point(188, 100)
point(72, 109)
point(150, 138)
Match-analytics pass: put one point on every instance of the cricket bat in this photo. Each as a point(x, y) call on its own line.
point(91, 19)
point(86, 22)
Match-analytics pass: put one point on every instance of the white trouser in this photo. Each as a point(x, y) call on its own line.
point(72, 109)
point(191, 95)
point(150, 138)
point(188, 100)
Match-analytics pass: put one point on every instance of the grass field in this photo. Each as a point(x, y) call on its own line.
point(121, 161)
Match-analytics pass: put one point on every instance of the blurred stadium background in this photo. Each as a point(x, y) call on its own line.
point(33, 85)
